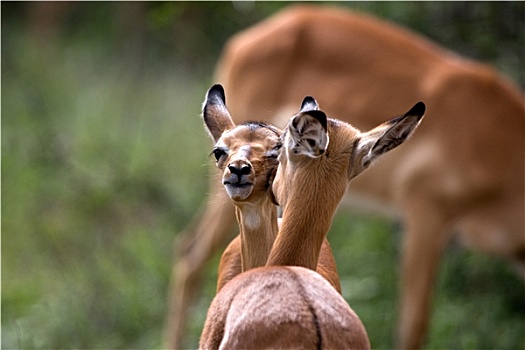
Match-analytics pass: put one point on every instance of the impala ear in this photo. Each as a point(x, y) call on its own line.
point(307, 134)
point(386, 137)
point(215, 114)
point(309, 104)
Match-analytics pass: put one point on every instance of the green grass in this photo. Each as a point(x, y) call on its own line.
point(104, 162)
point(101, 169)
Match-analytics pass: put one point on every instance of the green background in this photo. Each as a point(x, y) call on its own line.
point(104, 162)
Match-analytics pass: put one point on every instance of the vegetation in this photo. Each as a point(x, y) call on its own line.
point(104, 161)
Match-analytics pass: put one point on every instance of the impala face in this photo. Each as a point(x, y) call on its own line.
point(247, 155)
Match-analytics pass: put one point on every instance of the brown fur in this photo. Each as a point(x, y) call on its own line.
point(246, 314)
point(230, 264)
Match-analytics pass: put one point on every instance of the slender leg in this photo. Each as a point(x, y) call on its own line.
point(211, 231)
point(426, 238)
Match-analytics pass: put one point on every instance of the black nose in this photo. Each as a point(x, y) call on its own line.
point(240, 169)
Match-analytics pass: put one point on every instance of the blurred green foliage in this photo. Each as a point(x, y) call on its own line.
point(104, 162)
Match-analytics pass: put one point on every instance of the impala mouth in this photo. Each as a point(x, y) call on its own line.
point(238, 191)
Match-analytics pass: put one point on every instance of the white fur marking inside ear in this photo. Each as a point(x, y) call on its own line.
point(307, 136)
point(367, 159)
point(364, 145)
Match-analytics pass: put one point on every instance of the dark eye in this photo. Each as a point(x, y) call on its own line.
point(274, 153)
point(218, 153)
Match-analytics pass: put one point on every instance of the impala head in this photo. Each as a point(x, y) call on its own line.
point(246, 153)
point(332, 152)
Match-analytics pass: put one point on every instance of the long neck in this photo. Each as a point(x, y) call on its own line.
point(307, 217)
point(258, 226)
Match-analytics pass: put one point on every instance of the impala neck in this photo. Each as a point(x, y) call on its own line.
point(307, 216)
point(258, 226)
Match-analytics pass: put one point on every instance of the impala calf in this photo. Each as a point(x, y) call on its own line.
point(320, 157)
point(290, 306)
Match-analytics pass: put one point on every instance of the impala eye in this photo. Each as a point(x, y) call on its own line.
point(274, 153)
point(218, 153)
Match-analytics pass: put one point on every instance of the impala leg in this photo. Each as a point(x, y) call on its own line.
point(426, 238)
point(210, 231)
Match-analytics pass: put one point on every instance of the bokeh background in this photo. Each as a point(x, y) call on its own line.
point(104, 162)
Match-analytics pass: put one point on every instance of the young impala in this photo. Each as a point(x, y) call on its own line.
point(286, 304)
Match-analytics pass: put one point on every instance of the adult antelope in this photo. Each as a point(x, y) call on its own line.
point(247, 156)
point(282, 305)
point(462, 172)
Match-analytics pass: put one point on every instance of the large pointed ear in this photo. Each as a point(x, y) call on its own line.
point(307, 134)
point(386, 137)
point(215, 114)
